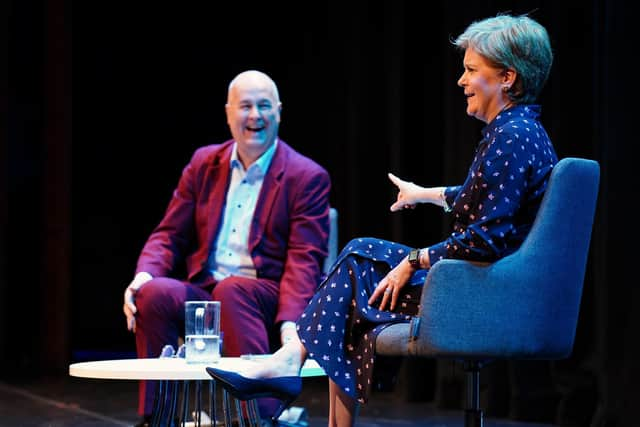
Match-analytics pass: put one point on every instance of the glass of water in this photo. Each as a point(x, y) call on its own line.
point(202, 331)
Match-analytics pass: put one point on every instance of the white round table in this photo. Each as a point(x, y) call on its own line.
point(170, 368)
point(173, 373)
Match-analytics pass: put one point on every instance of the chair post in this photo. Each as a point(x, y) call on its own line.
point(473, 413)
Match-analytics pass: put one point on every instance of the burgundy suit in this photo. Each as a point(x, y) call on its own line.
point(287, 242)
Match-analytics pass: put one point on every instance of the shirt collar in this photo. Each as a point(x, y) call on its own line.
point(261, 165)
point(526, 111)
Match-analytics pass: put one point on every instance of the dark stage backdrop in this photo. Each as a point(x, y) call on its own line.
point(106, 103)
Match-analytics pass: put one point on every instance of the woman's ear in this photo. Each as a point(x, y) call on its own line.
point(509, 77)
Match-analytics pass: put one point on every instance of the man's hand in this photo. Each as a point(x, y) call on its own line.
point(391, 284)
point(129, 307)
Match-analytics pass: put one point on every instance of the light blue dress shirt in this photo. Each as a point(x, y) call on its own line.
point(231, 255)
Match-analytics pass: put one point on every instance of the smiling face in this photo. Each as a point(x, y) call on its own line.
point(484, 86)
point(253, 114)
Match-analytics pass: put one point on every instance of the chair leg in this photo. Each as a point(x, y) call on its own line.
point(473, 413)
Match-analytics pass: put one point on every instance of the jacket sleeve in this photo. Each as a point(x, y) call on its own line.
point(167, 245)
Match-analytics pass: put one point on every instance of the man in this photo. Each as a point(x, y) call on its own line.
point(249, 220)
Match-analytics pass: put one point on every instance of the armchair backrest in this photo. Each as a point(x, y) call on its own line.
point(557, 247)
point(333, 240)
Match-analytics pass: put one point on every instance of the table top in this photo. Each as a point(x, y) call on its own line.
point(170, 368)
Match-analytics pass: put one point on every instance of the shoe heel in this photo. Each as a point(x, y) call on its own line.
point(284, 404)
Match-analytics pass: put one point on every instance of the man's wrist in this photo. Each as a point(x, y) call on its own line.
point(140, 279)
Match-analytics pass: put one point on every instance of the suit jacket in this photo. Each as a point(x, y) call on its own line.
point(289, 231)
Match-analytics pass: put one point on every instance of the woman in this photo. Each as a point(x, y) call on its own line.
point(375, 283)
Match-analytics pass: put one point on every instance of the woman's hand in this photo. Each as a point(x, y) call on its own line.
point(408, 194)
point(391, 284)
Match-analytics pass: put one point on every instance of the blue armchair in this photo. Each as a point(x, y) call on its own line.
point(524, 306)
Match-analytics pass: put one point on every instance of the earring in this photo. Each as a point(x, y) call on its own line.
point(505, 88)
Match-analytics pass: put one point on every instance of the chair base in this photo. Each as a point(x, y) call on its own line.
point(473, 418)
point(473, 413)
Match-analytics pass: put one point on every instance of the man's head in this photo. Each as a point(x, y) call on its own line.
point(253, 113)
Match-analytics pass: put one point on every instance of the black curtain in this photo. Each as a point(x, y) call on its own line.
point(367, 88)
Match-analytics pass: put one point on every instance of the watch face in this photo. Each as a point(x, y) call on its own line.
point(414, 257)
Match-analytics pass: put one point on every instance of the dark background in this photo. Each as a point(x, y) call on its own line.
point(104, 102)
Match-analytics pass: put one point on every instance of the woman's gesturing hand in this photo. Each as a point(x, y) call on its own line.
point(408, 194)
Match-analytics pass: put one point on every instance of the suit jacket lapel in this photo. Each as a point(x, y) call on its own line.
point(217, 177)
point(268, 194)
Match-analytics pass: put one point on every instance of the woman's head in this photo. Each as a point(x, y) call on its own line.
point(516, 43)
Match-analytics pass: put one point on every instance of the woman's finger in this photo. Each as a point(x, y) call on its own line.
point(377, 291)
point(397, 181)
point(394, 298)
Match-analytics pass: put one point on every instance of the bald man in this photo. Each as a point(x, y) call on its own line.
point(249, 223)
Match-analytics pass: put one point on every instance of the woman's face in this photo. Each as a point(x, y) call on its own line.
point(483, 86)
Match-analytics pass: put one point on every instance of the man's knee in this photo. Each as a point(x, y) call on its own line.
point(227, 290)
point(240, 290)
point(157, 292)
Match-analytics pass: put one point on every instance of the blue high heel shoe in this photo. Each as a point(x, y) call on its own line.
point(284, 388)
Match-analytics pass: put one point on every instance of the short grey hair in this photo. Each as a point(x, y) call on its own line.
point(516, 42)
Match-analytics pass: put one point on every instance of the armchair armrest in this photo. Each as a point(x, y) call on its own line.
point(482, 310)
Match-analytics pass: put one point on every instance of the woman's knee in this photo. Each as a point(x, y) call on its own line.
point(356, 243)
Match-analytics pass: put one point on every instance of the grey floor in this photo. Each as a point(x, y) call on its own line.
point(68, 401)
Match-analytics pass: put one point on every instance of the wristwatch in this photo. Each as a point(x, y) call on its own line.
point(414, 258)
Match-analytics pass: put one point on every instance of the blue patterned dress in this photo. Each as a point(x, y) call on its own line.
point(493, 211)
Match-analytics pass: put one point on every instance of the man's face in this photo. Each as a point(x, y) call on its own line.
point(253, 116)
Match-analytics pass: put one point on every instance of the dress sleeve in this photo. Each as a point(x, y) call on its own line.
point(487, 203)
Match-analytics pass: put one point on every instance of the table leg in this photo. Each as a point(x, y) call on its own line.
point(159, 404)
point(212, 403)
point(253, 413)
point(226, 408)
point(238, 405)
point(198, 406)
point(185, 402)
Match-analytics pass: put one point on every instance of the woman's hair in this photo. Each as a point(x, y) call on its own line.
point(516, 42)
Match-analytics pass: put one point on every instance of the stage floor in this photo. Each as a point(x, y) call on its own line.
point(80, 402)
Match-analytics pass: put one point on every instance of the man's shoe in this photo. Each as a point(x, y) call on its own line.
point(144, 422)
